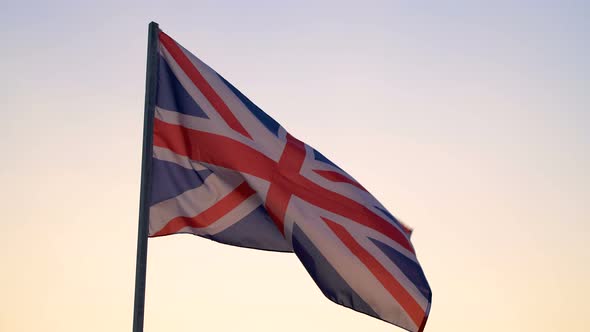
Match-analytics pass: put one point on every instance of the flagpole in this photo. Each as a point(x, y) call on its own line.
point(146, 169)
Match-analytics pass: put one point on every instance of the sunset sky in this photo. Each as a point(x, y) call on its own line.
point(469, 120)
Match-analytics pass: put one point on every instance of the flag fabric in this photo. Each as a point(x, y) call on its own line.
point(223, 169)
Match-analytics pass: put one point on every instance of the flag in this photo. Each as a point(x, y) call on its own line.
point(223, 169)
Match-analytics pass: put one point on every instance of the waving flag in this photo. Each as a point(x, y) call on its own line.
point(223, 169)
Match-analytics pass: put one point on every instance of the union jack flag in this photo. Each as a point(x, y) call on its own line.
point(223, 169)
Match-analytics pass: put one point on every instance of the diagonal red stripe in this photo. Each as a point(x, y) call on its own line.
point(337, 177)
point(201, 83)
point(397, 291)
point(210, 215)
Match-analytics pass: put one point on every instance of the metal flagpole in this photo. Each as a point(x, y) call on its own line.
point(146, 170)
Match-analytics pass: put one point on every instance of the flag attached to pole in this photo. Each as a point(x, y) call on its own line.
point(223, 169)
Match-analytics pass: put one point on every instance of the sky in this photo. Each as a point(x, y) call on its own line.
point(469, 120)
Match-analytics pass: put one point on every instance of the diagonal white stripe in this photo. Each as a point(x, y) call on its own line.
point(255, 128)
point(191, 89)
point(229, 219)
point(194, 201)
point(357, 276)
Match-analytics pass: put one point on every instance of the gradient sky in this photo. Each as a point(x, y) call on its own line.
point(469, 120)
